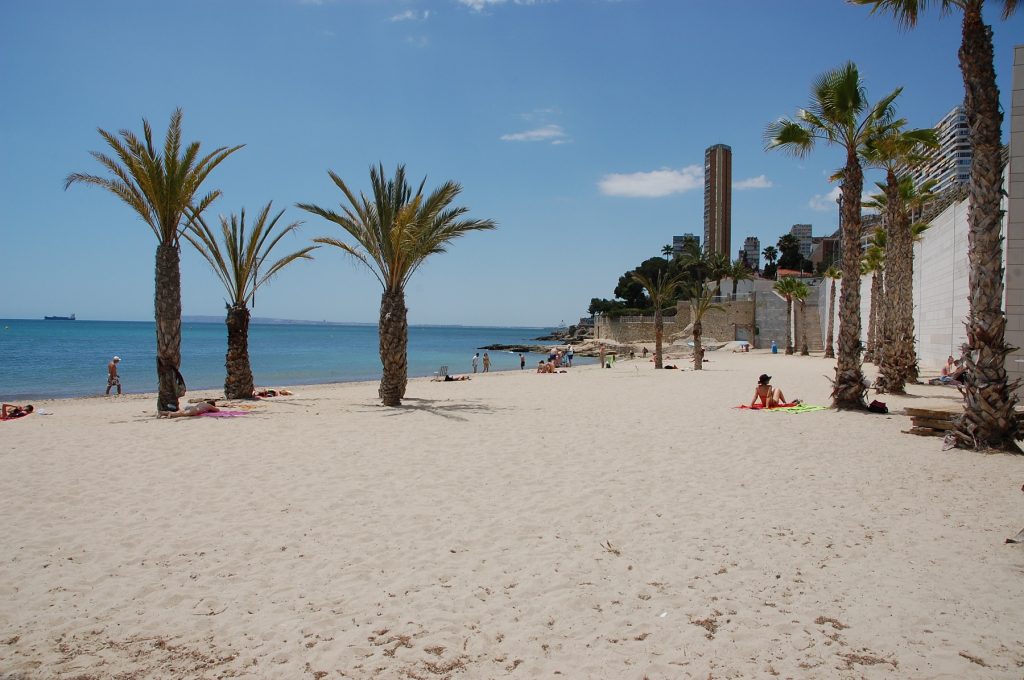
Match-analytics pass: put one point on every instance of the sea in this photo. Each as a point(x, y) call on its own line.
point(54, 359)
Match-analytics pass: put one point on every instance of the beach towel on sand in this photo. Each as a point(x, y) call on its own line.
point(224, 414)
point(791, 407)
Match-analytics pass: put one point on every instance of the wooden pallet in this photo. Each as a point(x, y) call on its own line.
point(936, 422)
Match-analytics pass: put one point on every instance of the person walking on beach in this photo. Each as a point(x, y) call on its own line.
point(487, 362)
point(113, 379)
point(476, 361)
point(568, 355)
point(522, 362)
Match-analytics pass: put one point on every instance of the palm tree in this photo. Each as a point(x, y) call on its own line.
point(161, 186)
point(662, 291)
point(718, 268)
point(989, 419)
point(667, 250)
point(873, 263)
point(702, 297)
point(800, 294)
point(739, 271)
point(892, 151)
point(787, 287)
point(770, 254)
point(239, 261)
point(839, 113)
point(395, 231)
point(833, 274)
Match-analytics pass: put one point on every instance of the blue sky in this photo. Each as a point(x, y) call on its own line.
point(578, 125)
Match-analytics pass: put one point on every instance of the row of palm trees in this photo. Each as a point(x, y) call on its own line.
point(394, 230)
point(869, 134)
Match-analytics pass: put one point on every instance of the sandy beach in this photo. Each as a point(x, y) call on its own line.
point(623, 523)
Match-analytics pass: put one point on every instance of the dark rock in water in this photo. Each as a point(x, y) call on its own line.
point(525, 349)
point(566, 335)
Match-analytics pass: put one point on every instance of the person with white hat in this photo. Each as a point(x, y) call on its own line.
point(112, 378)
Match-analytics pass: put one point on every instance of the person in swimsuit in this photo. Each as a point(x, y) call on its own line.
point(770, 396)
point(202, 407)
point(113, 379)
point(12, 411)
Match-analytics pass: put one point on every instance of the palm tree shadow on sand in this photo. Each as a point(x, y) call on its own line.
point(451, 410)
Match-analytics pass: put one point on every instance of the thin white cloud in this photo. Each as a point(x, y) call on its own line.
point(418, 41)
point(653, 184)
point(409, 15)
point(480, 5)
point(759, 182)
point(548, 133)
point(829, 202)
point(825, 202)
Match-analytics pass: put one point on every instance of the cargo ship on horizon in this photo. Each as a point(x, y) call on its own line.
point(59, 318)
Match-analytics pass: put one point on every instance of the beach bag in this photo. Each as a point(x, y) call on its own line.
point(878, 407)
point(179, 384)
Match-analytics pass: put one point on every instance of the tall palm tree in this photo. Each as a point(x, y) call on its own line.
point(771, 254)
point(893, 151)
point(395, 231)
point(786, 287)
point(739, 271)
point(239, 259)
point(989, 419)
point(702, 301)
point(832, 274)
point(161, 185)
point(667, 250)
point(839, 113)
point(662, 290)
point(800, 294)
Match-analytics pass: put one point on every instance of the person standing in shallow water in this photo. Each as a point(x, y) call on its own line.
point(113, 379)
point(522, 362)
point(476, 361)
point(487, 362)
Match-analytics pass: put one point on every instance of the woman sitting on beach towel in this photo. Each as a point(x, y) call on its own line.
point(12, 411)
point(199, 409)
point(770, 396)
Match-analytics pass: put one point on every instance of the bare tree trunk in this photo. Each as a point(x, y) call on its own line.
point(898, 351)
point(168, 325)
point(659, 330)
point(789, 325)
point(394, 342)
point(830, 352)
point(848, 386)
point(698, 348)
point(804, 351)
point(877, 278)
point(238, 383)
point(989, 420)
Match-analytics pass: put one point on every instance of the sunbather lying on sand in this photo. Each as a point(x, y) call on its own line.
point(270, 393)
point(455, 378)
point(12, 411)
point(191, 410)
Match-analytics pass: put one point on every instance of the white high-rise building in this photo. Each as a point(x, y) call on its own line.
point(949, 164)
point(804, 234)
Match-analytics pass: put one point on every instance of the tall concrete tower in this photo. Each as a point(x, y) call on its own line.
point(718, 200)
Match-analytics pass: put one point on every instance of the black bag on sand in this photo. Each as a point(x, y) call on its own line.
point(878, 407)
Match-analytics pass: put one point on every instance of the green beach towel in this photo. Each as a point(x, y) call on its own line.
point(799, 408)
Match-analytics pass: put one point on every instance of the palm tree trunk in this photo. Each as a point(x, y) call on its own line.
point(876, 293)
point(698, 349)
point(394, 343)
point(898, 351)
point(804, 351)
point(988, 421)
point(789, 325)
point(238, 384)
point(848, 386)
point(167, 304)
point(830, 352)
point(659, 329)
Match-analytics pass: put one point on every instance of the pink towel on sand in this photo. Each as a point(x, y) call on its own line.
point(757, 407)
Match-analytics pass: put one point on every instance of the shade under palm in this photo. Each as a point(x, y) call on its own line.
point(394, 231)
point(161, 186)
point(240, 260)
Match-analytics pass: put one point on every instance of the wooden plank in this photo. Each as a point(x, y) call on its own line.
point(925, 432)
point(932, 423)
point(937, 413)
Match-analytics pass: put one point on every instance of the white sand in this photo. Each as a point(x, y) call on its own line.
point(621, 523)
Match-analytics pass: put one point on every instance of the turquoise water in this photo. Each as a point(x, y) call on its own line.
point(50, 359)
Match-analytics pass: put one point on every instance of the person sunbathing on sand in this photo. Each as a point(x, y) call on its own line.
point(770, 396)
point(455, 378)
point(12, 411)
point(202, 407)
point(270, 393)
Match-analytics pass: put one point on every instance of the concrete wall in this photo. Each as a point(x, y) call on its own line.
point(732, 323)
